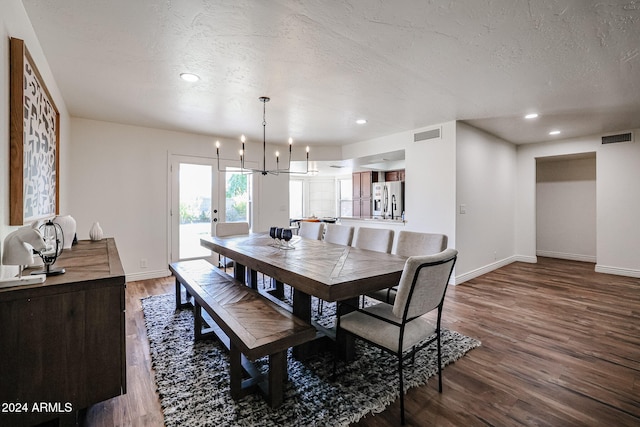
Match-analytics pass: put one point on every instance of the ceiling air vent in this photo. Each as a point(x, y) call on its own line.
point(621, 137)
point(428, 134)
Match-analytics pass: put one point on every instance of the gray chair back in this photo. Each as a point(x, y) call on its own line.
point(311, 230)
point(423, 283)
point(374, 239)
point(411, 243)
point(338, 234)
point(224, 229)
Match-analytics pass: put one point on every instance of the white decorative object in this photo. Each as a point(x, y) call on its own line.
point(95, 233)
point(18, 250)
point(68, 225)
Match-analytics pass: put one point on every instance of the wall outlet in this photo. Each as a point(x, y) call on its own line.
point(143, 263)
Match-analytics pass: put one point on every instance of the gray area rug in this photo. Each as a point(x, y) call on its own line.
point(193, 381)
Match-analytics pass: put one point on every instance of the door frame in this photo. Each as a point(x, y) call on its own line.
point(173, 231)
point(219, 191)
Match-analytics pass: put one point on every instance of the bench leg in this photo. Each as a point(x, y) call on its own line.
point(277, 378)
point(179, 303)
point(235, 368)
point(197, 321)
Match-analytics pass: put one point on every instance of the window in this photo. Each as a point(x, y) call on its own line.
point(345, 197)
point(296, 199)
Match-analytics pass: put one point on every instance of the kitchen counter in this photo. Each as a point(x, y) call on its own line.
point(372, 219)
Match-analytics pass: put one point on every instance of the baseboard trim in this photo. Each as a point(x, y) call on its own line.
point(483, 270)
point(568, 256)
point(155, 274)
point(618, 271)
point(525, 258)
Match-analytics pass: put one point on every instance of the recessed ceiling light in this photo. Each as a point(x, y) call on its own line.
point(188, 77)
point(361, 121)
point(531, 116)
point(554, 132)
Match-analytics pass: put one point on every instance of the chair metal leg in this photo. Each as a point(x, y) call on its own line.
point(439, 363)
point(401, 388)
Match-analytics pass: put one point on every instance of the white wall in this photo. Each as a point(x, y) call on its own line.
point(486, 193)
point(15, 23)
point(617, 200)
point(120, 177)
point(430, 176)
point(618, 208)
point(566, 208)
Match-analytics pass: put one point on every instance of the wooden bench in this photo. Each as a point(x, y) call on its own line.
point(252, 326)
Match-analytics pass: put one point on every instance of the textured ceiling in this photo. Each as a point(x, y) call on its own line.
point(401, 65)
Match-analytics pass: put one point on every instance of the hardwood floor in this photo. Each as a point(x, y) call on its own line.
point(560, 347)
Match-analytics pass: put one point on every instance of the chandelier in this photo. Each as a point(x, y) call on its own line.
point(264, 170)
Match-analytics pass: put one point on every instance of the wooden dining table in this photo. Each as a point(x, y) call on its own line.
point(312, 267)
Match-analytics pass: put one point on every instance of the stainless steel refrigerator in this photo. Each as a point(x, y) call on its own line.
point(388, 199)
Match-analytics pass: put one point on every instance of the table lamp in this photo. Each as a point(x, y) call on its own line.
point(18, 250)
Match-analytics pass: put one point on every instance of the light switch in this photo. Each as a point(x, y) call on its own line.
point(463, 209)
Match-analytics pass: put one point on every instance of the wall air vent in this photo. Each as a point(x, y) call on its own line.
point(428, 134)
point(621, 137)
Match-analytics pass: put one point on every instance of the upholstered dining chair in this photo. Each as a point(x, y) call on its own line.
point(310, 230)
point(338, 234)
point(225, 229)
point(411, 243)
point(401, 329)
point(374, 239)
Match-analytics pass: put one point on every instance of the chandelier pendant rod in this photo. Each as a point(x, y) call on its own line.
point(263, 171)
point(264, 100)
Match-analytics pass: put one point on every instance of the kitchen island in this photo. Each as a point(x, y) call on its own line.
point(373, 222)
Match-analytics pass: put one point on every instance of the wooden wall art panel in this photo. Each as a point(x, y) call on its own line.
point(34, 164)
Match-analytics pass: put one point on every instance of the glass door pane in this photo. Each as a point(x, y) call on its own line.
point(195, 208)
point(237, 192)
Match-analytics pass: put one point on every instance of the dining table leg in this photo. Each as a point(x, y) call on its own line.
point(302, 309)
point(346, 342)
point(239, 273)
point(253, 279)
point(278, 291)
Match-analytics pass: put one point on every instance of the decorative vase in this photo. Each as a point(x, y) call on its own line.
point(68, 225)
point(95, 233)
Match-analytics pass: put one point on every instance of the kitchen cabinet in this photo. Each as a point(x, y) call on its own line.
point(362, 193)
point(62, 342)
point(394, 175)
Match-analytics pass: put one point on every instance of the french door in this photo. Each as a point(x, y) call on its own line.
point(201, 197)
point(194, 205)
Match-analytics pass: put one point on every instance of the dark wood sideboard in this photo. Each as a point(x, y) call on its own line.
point(62, 342)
